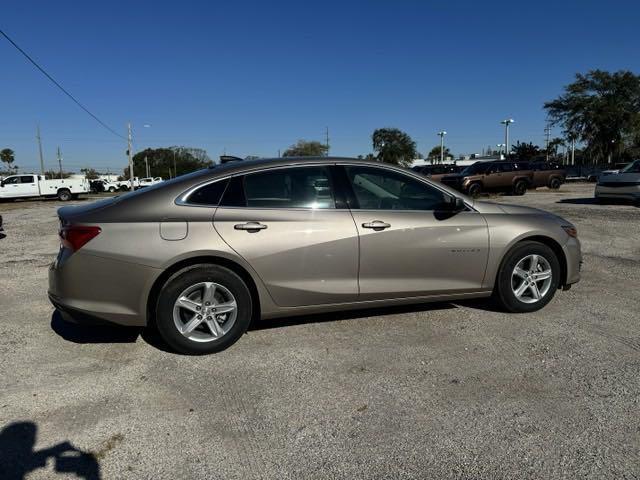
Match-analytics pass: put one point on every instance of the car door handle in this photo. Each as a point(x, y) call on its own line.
point(376, 225)
point(250, 226)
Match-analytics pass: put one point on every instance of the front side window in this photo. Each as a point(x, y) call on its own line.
point(299, 187)
point(381, 189)
point(11, 180)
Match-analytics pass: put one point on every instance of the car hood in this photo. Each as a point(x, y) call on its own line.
point(620, 178)
point(499, 208)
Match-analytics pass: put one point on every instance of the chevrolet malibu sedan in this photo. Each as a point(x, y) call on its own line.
point(202, 255)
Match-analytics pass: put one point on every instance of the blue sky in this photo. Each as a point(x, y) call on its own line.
point(254, 77)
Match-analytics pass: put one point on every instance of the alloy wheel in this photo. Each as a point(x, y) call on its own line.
point(205, 312)
point(531, 278)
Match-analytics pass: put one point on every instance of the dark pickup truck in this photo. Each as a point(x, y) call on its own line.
point(506, 176)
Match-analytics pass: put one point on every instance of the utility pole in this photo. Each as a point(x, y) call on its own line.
point(146, 163)
point(175, 174)
point(40, 150)
point(278, 153)
point(547, 132)
point(442, 134)
point(327, 139)
point(506, 124)
point(60, 162)
point(130, 154)
point(573, 151)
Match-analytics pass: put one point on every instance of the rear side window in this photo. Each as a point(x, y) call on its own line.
point(208, 194)
point(26, 179)
point(300, 187)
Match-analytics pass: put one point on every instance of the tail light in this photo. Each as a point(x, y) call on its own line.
point(74, 237)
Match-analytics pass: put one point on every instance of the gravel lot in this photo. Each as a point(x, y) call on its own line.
point(434, 391)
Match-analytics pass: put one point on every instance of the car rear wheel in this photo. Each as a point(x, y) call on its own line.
point(520, 188)
point(474, 190)
point(528, 278)
point(555, 183)
point(203, 309)
point(112, 189)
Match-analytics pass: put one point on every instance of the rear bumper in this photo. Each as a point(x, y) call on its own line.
point(91, 289)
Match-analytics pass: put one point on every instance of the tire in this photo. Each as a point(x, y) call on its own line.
point(474, 190)
point(64, 195)
point(112, 189)
point(191, 283)
point(555, 183)
point(507, 279)
point(520, 188)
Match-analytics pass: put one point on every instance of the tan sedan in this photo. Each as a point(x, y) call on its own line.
point(202, 255)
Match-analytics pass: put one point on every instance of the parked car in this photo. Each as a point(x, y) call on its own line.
point(624, 185)
point(99, 185)
point(204, 253)
point(546, 174)
point(29, 186)
point(147, 182)
point(436, 172)
point(498, 176)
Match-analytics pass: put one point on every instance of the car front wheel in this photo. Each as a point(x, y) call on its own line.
point(203, 309)
point(528, 278)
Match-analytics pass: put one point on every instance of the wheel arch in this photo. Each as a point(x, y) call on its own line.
point(549, 242)
point(154, 292)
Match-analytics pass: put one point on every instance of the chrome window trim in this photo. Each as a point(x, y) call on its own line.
point(183, 198)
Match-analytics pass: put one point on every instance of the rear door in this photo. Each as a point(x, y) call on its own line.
point(409, 245)
point(286, 223)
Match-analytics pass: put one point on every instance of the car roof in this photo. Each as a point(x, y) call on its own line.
point(242, 165)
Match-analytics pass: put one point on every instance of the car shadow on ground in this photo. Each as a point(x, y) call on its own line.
point(77, 333)
point(594, 201)
point(18, 457)
point(86, 334)
point(264, 324)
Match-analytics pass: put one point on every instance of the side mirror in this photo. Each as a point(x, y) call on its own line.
point(455, 204)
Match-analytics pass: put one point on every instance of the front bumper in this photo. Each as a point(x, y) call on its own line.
point(621, 190)
point(573, 256)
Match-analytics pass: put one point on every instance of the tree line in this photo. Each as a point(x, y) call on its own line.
point(599, 114)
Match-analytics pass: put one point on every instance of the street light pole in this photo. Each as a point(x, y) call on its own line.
point(500, 145)
point(130, 154)
point(442, 134)
point(506, 124)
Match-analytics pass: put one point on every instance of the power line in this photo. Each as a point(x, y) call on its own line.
point(59, 86)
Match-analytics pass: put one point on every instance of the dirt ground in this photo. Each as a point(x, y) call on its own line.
point(431, 391)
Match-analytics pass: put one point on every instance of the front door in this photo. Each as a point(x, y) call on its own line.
point(285, 223)
point(409, 244)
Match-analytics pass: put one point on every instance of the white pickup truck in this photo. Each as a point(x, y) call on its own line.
point(25, 186)
point(148, 181)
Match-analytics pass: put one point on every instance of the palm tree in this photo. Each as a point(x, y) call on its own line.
point(7, 156)
point(434, 154)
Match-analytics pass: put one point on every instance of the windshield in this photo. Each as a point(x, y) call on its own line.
point(633, 167)
point(476, 168)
